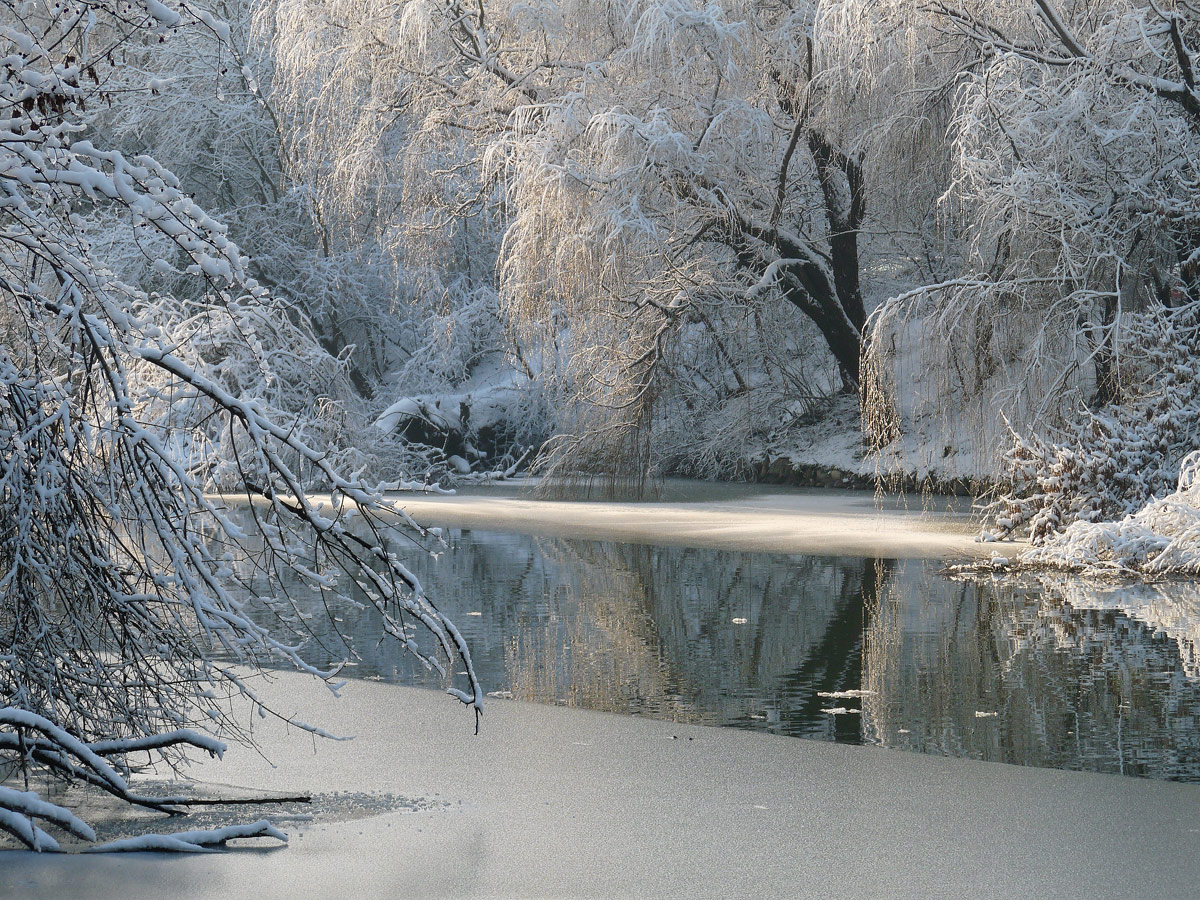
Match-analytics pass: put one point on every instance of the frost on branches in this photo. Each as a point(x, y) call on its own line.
point(125, 587)
point(1121, 494)
point(1122, 456)
point(668, 201)
point(1070, 326)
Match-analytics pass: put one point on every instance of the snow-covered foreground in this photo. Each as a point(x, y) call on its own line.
point(731, 517)
point(553, 802)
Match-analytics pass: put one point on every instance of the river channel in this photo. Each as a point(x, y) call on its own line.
point(1044, 671)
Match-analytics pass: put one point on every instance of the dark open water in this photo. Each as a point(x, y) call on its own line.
point(1042, 673)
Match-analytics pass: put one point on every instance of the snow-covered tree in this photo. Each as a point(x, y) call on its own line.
point(390, 164)
point(125, 625)
point(664, 176)
point(1070, 204)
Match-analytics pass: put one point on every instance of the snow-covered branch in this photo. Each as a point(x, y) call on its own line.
point(133, 595)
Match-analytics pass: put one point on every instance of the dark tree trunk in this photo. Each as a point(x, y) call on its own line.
point(1108, 388)
point(831, 294)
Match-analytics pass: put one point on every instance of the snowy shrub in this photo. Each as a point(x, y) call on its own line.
point(1121, 456)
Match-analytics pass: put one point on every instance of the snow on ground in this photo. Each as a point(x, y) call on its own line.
point(554, 802)
point(491, 398)
point(938, 453)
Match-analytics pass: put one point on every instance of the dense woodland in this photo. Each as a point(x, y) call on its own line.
point(642, 239)
point(271, 247)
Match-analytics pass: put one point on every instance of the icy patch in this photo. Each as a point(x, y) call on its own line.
point(845, 695)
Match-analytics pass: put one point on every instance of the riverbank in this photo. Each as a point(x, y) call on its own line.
point(553, 802)
point(728, 517)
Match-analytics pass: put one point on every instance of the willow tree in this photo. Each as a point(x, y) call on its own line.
point(126, 585)
point(670, 202)
point(1071, 317)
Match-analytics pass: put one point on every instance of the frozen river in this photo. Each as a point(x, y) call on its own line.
point(856, 649)
point(550, 801)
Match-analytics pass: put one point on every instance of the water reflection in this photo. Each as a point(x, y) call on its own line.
point(1045, 673)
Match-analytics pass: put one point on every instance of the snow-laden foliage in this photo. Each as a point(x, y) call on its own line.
point(1122, 455)
point(1073, 143)
point(1161, 537)
point(209, 115)
point(125, 626)
point(665, 202)
point(650, 180)
point(1119, 493)
point(377, 135)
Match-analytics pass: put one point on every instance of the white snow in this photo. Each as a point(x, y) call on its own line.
point(19, 807)
point(192, 841)
point(490, 400)
point(163, 14)
point(1162, 538)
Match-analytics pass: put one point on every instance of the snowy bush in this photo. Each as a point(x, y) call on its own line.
point(1121, 456)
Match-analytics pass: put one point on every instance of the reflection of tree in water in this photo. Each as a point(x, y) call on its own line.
point(802, 634)
point(678, 633)
point(658, 630)
point(1070, 687)
point(598, 648)
point(1077, 676)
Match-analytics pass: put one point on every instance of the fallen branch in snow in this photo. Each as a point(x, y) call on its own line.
point(192, 841)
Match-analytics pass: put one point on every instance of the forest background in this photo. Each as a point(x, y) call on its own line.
point(669, 239)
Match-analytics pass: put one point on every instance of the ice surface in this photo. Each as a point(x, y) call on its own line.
point(782, 520)
point(551, 802)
